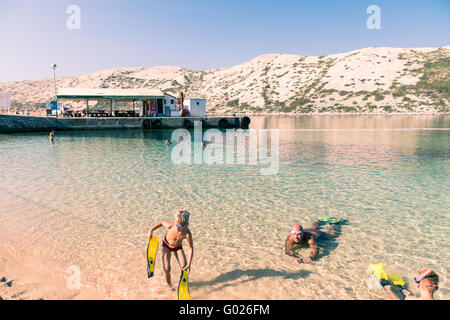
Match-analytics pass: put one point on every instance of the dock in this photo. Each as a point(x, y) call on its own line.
point(95, 109)
point(19, 123)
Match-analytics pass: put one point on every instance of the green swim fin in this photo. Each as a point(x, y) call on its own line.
point(332, 220)
point(378, 271)
point(183, 286)
point(151, 256)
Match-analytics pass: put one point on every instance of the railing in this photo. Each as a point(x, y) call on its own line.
point(100, 113)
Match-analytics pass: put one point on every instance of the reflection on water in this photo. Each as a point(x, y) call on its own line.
point(90, 198)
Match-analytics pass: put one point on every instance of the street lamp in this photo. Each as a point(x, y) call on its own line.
point(54, 84)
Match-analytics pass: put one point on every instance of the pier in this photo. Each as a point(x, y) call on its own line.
point(94, 109)
point(16, 124)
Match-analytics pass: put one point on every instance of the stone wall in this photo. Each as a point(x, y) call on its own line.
point(15, 124)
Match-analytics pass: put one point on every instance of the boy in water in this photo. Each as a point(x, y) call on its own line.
point(427, 282)
point(299, 236)
point(177, 231)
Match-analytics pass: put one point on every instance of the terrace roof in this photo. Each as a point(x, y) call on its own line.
point(83, 93)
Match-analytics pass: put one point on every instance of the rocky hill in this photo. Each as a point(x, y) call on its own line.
point(386, 80)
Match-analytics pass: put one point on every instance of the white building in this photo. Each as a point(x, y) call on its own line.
point(196, 107)
point(5, 102)
point(170, 106)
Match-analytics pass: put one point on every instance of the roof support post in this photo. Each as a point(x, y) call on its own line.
point(113, 107)
point(87, 107)
point(141, 108)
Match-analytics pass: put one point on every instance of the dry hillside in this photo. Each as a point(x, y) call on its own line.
point(361, 81)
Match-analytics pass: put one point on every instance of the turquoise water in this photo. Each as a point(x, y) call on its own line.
point(90, 198)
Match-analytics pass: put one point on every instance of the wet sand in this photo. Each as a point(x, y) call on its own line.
point(25, 278)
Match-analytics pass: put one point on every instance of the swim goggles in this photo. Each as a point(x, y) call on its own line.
point(421, 276)
point(296, 233)
point(179, 227)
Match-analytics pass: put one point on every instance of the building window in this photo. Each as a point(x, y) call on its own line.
point(198, 103)
point(165, 102)
point(171, 101)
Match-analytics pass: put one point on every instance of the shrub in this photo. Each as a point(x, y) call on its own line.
point(306, 109)
point(244, 106)
point(378, 96)
point(347, 109)
point(233, 103)
point(299, 102)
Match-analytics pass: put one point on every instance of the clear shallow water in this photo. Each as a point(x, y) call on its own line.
point(89, 199)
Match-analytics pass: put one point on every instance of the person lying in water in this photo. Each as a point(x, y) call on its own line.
point(300, 236)
point(177, 231)
point(427, 283)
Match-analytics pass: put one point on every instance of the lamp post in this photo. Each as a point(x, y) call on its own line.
point(54, 84)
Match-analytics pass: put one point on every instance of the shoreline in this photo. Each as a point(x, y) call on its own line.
point(338, 114)
point(23, 123)
point(230, 114)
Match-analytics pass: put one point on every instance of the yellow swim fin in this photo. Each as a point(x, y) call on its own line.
point(396, 280)
point(378, 271)
point(151, 255)
point(183, 286)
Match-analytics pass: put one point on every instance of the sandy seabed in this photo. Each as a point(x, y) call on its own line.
point(27, 278)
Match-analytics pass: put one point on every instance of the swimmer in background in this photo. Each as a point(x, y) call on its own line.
point(51, 136)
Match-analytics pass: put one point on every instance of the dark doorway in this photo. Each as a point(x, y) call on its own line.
point(146, 108)
point(160, 107)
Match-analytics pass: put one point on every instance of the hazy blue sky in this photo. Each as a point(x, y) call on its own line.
point(201, 34)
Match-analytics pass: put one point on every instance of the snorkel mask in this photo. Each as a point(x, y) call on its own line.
point(297, 234)
point(179, 226)
point(422, 276)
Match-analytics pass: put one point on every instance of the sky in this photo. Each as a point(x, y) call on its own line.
point(200, 34)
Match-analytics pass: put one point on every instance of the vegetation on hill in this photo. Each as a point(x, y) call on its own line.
point(362, 81)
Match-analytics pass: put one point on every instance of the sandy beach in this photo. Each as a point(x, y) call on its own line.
point(25, 278)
